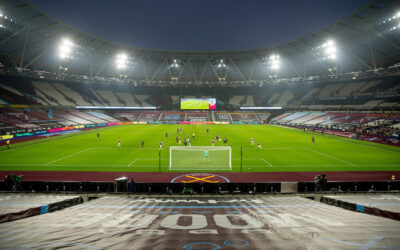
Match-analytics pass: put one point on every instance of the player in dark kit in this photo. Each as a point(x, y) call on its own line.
point(184, 141)
point(177, 140)
point(225, 141)
point(98, 135)
point(142, 143)
point(207, 131)
point(166, 135)
point(177, 130)
point(313, 140)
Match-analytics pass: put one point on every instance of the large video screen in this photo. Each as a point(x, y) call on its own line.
point(198, 103)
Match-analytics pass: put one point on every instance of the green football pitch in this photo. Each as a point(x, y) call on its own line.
point(283, 150)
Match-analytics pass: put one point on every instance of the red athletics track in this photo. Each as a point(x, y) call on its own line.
point(233, 177)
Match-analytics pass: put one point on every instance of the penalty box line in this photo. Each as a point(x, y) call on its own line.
point(332, 157)
point(67, 156)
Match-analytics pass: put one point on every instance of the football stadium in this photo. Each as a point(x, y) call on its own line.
point(107, 145)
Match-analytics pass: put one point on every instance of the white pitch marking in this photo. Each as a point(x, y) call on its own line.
point(130, 164)
point(332, 157)
point(65, 157)
point(267, 162)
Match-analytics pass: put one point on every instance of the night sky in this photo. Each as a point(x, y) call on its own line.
point(201, 24)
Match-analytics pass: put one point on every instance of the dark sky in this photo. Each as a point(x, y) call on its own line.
point(200, 24)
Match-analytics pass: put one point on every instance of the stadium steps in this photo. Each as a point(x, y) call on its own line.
point(50, 91)
point(46, 98)
point(159, 117)
point(79, 100)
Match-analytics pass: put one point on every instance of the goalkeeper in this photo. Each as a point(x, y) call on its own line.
point(205, 154)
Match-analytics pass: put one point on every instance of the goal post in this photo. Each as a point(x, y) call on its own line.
point(198, 158)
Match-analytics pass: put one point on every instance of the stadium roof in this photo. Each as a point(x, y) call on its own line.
point(365, 40)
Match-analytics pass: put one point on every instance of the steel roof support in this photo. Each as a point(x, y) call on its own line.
point(23, 51)
point(39, 56)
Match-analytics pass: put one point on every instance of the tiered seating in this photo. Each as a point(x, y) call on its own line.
point(284, 99)
point(52, 92)
point(172, 116)
point(102, 116)
point(373, 103)
point(69, 118)
point(330, 90)
point(353, 119)
point(222, 116)
point(103, 101)
point(109, 97)
point(311, 93)
point(274, 98)
point(294, 116)
point(350, 88)
point(128, 99)
point(131, 116)
point(149, 116)
point(197, 116)
point(235, 100)
point(318, 120)
point(305, 118)
point(369, 85)
point(86, 116)
point(175, 98)
point(276, 118)
point(389, 104)
point(263, 116)
point(20, 114)
point(72, 94)
point(10, 89)
point(142, 99)
point(248, 101)
point(4, 118)
point(244, 117)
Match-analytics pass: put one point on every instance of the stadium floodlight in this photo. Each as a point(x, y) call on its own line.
point(175, 63)
point(121, 61)
point(274, 62)
point(65, 49)
point(221, 64)
point(328, 50)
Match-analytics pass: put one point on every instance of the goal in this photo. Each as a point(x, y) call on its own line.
point(200, 158)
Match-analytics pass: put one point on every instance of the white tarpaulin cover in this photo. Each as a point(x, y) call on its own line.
point(116, 222)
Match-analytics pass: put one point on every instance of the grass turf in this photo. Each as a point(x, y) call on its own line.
point(284, 150)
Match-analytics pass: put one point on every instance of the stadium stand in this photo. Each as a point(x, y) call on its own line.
point(75, 96)
point(149, 116)
point(197, 116)
point(130, 116)
point(293, 116)
point(142, 100)
point(223, 117)
point(128, 99)
point(172, 116)
point(109, 98)
point(52, 94)
point(103, 116)
point(86, 116)
point(304, 119)
point(284, 99)
point(244, 117)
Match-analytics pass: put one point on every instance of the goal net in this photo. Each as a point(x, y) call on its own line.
point(200, 158)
